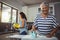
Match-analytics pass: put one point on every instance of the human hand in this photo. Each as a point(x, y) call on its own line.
point(49, 35)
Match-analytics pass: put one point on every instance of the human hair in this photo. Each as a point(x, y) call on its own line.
point(23, 15)
point(44, 3)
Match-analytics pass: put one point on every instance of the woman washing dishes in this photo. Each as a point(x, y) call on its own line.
point(23, 24)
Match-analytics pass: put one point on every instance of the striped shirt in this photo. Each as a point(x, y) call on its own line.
point(45, 25)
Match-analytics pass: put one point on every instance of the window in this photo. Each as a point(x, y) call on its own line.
point(0, 11)
point(9, 14)
point(14, 15)
point(6, 14)
point(39, 10)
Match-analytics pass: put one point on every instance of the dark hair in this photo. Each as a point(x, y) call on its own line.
point(23, 15)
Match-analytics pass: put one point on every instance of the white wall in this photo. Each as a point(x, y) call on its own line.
point(30, 12)
point(25, 10)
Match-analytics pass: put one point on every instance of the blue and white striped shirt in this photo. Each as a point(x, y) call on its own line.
point(45, 25)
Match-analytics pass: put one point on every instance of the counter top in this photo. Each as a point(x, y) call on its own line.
point(29, 37)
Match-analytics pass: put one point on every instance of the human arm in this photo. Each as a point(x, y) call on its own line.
point(54, 29)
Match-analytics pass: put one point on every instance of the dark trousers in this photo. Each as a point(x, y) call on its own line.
point(23, 33)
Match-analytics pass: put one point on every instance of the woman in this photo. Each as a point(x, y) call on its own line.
point(23, 24)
